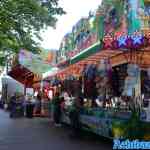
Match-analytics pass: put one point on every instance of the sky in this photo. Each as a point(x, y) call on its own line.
point(75, 9)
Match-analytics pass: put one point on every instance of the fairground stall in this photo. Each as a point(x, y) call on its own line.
point(108, 70)
point(28, 69)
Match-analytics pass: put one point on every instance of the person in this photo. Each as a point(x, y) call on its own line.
point(29, 108)
point(74, 117)
point(33, 100)
point(21, 100)
point(24, 105)
point(12, 105)
point(56, 109)
point(38, 105)
point(1, 102)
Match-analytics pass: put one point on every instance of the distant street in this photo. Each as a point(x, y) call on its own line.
point(40, 134)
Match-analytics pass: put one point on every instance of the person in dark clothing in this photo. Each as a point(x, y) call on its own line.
point(57, 108)
point(38, 105)
point(74, 117)
point(16, 107)
point(12, 105)
point(29, 109)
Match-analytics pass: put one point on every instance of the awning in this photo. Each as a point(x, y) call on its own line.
point(116, 57)
point(142, 58)
point(51, 72)
point(30, 67)
point(86, 53)
point(22, 75)
point(102, 54)
point(77, 68)
point(33, 62)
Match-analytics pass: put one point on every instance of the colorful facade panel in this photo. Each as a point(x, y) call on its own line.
point(115, 24)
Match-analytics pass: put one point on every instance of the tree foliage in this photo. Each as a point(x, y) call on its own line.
point(22, 20)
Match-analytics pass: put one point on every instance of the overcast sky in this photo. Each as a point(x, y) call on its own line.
point(75, 10)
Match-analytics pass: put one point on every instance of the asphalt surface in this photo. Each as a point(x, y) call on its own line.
point(41, 134)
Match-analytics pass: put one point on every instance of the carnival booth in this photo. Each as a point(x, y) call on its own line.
point(28, 68)
point(108, 71)
point(114, 99)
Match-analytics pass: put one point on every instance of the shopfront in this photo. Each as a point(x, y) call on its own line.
point(110, 96)
point(108, 71)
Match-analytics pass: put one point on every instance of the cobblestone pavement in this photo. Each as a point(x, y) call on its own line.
point(41, 134)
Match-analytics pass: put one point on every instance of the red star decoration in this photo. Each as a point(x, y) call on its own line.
point(108, 41)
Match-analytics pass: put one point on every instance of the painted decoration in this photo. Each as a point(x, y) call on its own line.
point(114, 17)
point(101, 126)
point(146, 17)
point(135, 9)
point(108, 42)
point(114, 24)
point(83, 35)
point(147, 10)
point(125, 42)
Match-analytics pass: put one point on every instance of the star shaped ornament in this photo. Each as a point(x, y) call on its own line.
point(122, 41)
point(108, 41)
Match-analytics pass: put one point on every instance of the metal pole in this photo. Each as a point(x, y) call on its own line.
point(6, 84)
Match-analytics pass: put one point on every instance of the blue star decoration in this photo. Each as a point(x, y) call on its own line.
point(137, 39)
point(122, 41)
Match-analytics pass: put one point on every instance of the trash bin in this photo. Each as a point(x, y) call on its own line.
point(16, 110)
point(1, 104)
point(29, 110)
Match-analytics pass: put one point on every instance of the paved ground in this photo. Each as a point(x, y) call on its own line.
point(40, 134)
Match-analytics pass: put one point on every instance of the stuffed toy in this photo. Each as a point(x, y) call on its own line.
point(131, 80)
point(103, 80)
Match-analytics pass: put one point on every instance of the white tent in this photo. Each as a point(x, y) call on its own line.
point(12, 85)
point(51, 72)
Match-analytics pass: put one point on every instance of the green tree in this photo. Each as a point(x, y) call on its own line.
point(22, 20)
